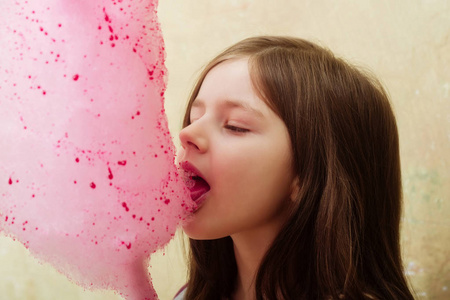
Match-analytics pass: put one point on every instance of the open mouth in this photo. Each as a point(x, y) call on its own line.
point(200, 187)
point(194, 181)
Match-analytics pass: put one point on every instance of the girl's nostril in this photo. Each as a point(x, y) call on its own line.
point(192, 144)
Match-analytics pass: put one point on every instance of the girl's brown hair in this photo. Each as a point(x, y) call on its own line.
point(342, 239)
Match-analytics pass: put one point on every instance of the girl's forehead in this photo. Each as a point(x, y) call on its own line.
point(230, 84)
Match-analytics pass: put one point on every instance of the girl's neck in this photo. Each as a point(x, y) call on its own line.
point(249, 251)
point(247, 267)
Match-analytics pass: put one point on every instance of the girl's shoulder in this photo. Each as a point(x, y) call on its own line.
point(181, 293)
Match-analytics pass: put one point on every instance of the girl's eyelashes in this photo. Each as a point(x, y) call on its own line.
point(236, 129)
point(229, 127)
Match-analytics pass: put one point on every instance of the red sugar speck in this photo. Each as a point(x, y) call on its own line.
point(124, 204)
point(10, 181)
point(122, 162)
point(92, 185)
point(110, 176)
point(167, 201)
point(76, 77)
point(77, 160)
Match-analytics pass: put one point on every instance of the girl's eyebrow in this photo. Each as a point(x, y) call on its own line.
point(232, 103)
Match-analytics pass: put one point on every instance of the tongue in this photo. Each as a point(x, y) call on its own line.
point(200, 187)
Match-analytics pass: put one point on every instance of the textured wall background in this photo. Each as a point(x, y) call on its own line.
point(406, 43)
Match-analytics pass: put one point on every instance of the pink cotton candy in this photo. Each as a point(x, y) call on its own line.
point(87, 175)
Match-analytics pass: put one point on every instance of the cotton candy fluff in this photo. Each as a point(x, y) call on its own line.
point(87, 175)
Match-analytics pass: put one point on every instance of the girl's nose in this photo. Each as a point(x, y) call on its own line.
point(193, 138)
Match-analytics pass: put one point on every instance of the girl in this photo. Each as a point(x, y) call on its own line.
point(292, 156)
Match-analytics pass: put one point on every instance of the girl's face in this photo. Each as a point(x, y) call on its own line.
point(242, 149)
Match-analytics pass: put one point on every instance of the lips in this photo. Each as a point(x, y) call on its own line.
point(194, 181)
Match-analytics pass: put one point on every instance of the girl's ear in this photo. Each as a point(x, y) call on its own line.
point(295, 189)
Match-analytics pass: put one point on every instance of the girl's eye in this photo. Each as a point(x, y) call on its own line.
point(236, 129)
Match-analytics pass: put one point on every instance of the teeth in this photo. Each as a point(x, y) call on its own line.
point(190, 183)
point(189, 179)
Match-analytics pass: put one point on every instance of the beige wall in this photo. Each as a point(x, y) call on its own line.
point(406, 43)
